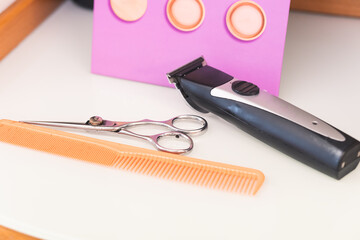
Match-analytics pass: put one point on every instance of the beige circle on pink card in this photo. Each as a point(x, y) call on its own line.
point(185, 15)
point(246, 20)
point(129, 10)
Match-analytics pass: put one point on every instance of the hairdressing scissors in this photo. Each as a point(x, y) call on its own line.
point(159, 140)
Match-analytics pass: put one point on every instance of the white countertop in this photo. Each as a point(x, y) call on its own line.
point(48, 78)
point(4, 4)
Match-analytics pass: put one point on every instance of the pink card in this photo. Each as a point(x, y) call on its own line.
point(146, 49)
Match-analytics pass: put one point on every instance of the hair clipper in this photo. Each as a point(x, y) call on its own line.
point(268, 118)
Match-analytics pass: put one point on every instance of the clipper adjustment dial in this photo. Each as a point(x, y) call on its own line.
point(245, 88)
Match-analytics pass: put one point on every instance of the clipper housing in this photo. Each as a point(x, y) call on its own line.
point(268, 118)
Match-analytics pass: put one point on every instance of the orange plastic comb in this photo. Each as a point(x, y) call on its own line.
point(165, 165)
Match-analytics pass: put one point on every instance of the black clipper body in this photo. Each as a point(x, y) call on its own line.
point(268, 118)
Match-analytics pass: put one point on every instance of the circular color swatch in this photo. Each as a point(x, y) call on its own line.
point(185, 15)
point(246, 20)
point(129, 10)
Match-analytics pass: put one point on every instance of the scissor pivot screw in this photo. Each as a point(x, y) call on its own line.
point(95, 121)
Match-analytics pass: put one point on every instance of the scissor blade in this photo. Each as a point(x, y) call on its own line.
point(71, 125)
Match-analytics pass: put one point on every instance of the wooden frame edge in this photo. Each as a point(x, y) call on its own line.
point(8, 234)
point(349, 8)
point(20, 19)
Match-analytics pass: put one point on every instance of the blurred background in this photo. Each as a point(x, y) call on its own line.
point(18, 18)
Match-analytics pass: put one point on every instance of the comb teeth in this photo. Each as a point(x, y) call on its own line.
point(143, 161)
point(243, 180)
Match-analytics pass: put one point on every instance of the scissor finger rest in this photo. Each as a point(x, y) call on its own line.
point(173, 142)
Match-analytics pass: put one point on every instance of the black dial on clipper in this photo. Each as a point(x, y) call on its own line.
point(245, 88)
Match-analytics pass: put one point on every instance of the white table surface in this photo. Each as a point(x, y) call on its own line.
point(4, 4)
point(48, 78)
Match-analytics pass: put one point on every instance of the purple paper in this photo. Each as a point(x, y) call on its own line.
point(147, 49)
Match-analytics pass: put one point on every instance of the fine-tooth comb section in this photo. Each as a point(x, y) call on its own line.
point(143, 161)
point(194, 173)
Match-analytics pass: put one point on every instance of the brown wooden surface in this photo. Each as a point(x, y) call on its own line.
point(338, 7)
point(8, 234)
point(20, 19)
